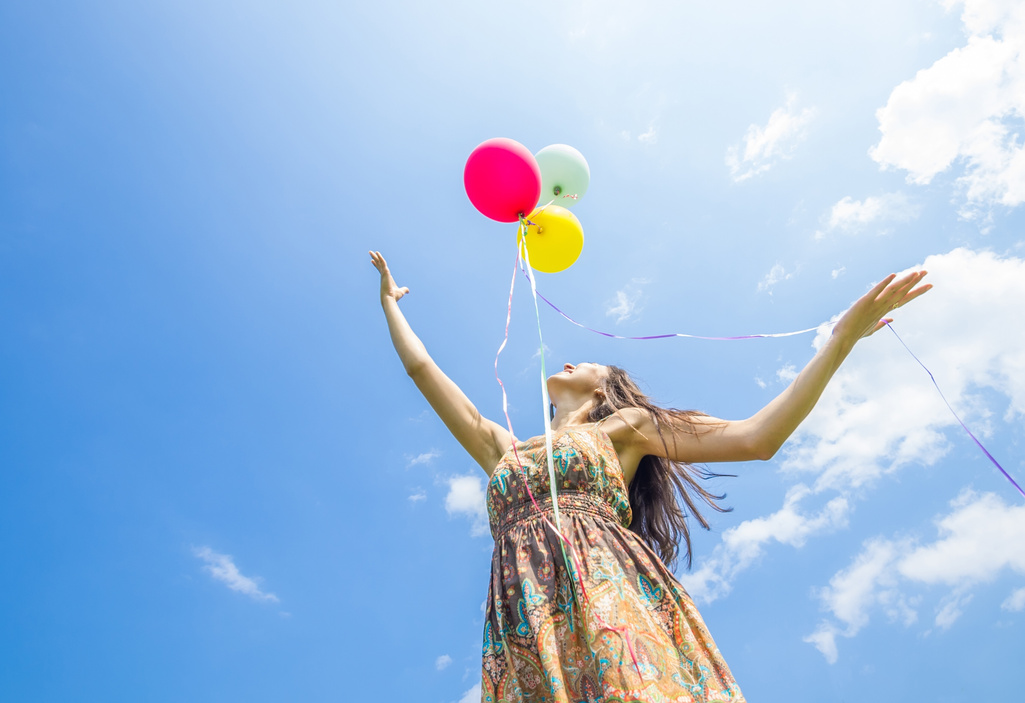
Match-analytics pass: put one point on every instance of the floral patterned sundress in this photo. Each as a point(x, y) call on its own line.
point(600, 621)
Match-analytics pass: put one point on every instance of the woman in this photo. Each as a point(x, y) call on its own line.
point(595, 614)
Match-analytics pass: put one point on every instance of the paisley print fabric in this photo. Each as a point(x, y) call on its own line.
point(629, 634)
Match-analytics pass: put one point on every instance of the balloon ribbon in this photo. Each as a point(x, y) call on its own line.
point(951, 409)
point(791, 334)
point(570, 559)
point(676, 334)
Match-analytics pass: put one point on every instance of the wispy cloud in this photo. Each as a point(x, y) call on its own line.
point(981, 536)
point(876, 212)
point(762, 147)
point(471, 696)
point(1015, 602)
point(417, 495)
point(963, 109)
point(951, 609)
point(977, 540)
point(868, 581)
point(744, 544)
point(442, 662)
point(786, 373)
point(776, 274)
point(223, 569)
point(650, 136)
point(466, 497)
point(537, 354)
point(424, 458)
point(625, 304)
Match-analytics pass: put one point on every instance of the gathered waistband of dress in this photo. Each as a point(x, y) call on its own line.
point(569, 502)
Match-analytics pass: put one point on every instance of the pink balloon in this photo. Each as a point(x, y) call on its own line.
point(502, 179)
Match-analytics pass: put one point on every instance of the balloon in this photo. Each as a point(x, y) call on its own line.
point(565, 175)
point(554, 238)
point(502, 179)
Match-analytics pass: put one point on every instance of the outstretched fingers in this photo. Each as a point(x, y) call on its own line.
point(908, 297)
point(867, 315)
point(904, 291)
point(878, 288)
point(389, 289)
point(378, 261)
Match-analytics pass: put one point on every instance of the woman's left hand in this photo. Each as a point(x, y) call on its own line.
point(867, 315)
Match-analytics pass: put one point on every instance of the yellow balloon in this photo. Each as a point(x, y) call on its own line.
point(554, 238)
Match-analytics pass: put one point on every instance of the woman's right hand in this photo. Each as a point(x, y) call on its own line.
point(389, 289)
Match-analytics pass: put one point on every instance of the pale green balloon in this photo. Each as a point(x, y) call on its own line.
point(564, 175)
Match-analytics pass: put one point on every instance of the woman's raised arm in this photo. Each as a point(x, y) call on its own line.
point(761, 435)
point(484, 440)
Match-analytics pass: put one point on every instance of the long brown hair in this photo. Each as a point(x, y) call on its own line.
point(660, 484)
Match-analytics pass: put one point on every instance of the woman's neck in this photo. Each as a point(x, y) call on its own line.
point(567, 416)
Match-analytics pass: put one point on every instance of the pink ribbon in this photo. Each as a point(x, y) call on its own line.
point(571, 557)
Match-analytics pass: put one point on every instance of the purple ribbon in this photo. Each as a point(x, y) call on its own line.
point(791, 334)
point(964, 426)
point(674, 334)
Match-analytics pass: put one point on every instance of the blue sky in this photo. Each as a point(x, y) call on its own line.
point(217, 481)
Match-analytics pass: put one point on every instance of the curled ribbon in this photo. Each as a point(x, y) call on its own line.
point(570, 557)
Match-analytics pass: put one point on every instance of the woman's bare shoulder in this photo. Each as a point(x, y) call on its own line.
point(627, 425)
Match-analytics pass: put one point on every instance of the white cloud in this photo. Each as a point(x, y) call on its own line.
point(967, 107)
point(978, 540)
point(786, 525)
point(824, 639)
point(849, 215)
point(868, 582)
point(466, 497)
point(950, 610)
point(1015, 602)
point(787, 373)
point(854, 434)
point(471, 696)
point(442, 662)
point(762, 147)
point(625, 304)
point(776, 274)
point(836, 273)
point(649, 137)
point(537, 354)
point(424, 458)
point(418, 495)
point(223, 569)
point(742, 545)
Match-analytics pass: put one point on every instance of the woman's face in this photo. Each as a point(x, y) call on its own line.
point(582, 378)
